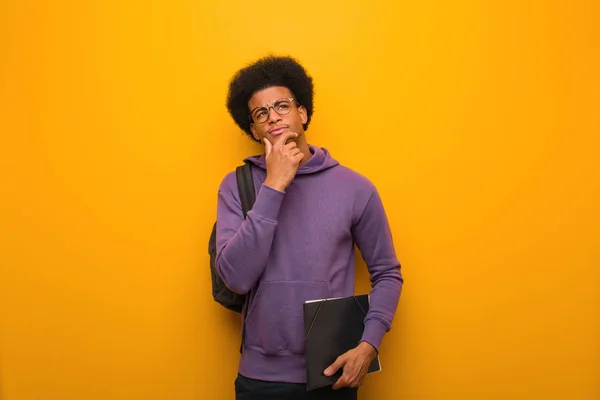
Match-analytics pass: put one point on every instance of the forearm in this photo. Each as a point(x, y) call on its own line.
point(373, 237)
point(243, 250)
point(384, 297)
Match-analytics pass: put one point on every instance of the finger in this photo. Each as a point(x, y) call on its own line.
point(286, 136)
point(291, 145)
point(340, 383)
point(268, 146)
point(337, 364)
point(295, 152)
point(299, 157)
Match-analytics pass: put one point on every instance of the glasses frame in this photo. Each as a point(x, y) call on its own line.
point(268, 107)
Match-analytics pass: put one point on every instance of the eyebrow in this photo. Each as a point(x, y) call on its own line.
point(265, 106)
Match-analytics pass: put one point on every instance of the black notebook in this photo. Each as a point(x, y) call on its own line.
point(331, 328)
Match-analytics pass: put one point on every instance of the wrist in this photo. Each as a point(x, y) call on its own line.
point(368, 348)
point(274, 185)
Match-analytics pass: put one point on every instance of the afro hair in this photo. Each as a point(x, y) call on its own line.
point(268, 72)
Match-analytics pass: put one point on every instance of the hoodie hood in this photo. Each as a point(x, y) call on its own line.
point(319, 161)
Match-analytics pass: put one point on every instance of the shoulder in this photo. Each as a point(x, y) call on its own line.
point(355, 179)
point(228, 179)
point(357, 189)
point(229, 183)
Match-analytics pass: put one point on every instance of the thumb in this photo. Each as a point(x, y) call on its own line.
point(333, 368)
point(268, 146)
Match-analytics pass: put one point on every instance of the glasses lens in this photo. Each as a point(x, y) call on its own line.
point(282, 106)
point(260, 115)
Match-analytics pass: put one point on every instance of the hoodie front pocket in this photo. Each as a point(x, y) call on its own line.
point(275, 323)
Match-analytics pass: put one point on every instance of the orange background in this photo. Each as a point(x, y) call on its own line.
point(478, 123)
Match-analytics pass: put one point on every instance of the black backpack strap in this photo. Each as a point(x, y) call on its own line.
point(245, 183)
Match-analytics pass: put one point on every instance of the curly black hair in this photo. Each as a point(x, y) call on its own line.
point(268, 72)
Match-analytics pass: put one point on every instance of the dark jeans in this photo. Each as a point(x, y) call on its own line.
point(252, 389)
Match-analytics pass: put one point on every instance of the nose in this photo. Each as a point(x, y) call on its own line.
point(273, 116)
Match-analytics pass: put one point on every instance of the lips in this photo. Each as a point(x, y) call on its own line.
point(278, 131)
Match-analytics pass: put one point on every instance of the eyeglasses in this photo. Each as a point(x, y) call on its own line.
point(260, 115)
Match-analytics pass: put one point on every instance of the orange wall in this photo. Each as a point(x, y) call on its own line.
point(479, 124)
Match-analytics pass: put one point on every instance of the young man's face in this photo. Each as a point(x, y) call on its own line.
point(275, 124)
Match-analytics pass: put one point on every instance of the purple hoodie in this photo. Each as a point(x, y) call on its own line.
point(298, 246)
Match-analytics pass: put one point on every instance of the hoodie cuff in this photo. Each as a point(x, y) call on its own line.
point(267, 204)
point(373, 333)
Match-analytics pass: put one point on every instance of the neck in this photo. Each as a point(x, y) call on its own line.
point(303, 146)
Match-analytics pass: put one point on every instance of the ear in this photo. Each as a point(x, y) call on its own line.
point(254, 132)
point(303, 114)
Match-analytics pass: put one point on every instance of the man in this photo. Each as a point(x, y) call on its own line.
point(297, 242)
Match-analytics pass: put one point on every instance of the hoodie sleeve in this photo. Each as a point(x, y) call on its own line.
point(373, 237)
point(243, 246)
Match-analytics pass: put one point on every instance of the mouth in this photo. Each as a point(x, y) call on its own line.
point(278, 131)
